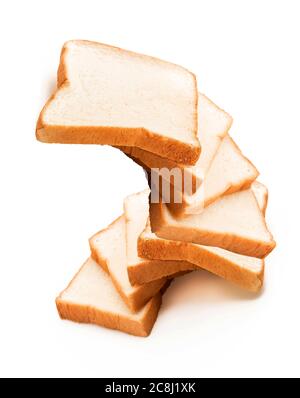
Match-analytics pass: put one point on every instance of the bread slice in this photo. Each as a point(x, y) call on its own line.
point(92, 298)
point(213, 124)
point(108, 248)
point(136, 213)
point(247, 272)
point(229, 172)
point(244, 271)
point(261, 195)
point(111, 96)
point(234, 222)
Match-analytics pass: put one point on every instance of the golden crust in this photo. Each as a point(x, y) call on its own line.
point(228, 241)
point(151, 270)
point(116, 136)
point(161, 249)
point(61, 82)
point(167, 147)
point(263, 205)
point(180, 209)
point(95, 254)
point(88, 314)
point(149, 160)
point(141, 294)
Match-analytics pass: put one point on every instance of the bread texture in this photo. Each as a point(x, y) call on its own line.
point(230, 172)
point(136, 213)
point(261, 195)
point(213, 124)
point(108, 249)
point(106, 95)
point(246, 272)
point(92, 298)
point(234, 222)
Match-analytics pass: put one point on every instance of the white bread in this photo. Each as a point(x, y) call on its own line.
point(234, 222)
point(136, 213)
point(229, 172)
point(92, 298)
point(247, 272)
point(213, 124)
point(111, 96)
point(244, 271)
point(261, 195)
point(108, 248)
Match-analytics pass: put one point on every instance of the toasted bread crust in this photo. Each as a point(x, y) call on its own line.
point(88, 314)
point(228, 241)
point(264, 203)
point(151, 270)
point(149, 160)
point(182, 209)
point(141, 294)
point(264, 209)
point(116, 136)
point(161, 249)
point(163, 146)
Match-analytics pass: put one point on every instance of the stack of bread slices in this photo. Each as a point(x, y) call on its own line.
point(152, 111)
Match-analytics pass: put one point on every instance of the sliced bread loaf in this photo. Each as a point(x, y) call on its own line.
point(229, 172)
point(234, 222)
point(244, 271)
point(111, 96)
point(136, 213)
point(91, 297)
point(213, 124)
point(108, 248)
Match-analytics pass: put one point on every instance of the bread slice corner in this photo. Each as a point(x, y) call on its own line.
point(108, 248)
point(91, 297)
point(142, 270)
point(106, 95)
point(213, 125)
point(261, 195)
point(229, 172)
point(234, 222)
point(244, 271)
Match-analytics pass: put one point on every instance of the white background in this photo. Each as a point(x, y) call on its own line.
point(54, 197)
